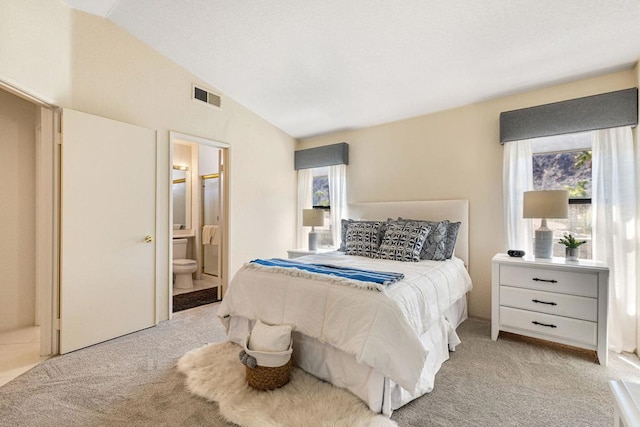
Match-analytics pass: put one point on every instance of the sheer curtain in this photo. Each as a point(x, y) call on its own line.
point(337, 199)
point(517, 177)
point(305, 201)
point(614, 229)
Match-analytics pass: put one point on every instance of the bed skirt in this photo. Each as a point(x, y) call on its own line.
point(342, 370)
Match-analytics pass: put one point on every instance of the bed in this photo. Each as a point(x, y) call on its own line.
point(384, 346)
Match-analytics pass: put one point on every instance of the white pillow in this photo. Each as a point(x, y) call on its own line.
point(270, 338)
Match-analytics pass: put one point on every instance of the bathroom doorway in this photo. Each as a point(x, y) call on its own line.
point(199, 220)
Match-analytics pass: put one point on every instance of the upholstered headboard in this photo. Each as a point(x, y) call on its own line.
point(434, 210)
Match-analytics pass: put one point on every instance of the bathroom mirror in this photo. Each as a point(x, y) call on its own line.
point(181, 198)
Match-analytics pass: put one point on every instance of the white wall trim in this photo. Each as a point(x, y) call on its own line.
point(46, 231)
point(197, 139)
point(12, 86)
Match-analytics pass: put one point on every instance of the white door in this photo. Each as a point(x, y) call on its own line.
point(108, 214)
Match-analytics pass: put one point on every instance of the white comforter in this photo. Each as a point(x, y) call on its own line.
point(380, 329)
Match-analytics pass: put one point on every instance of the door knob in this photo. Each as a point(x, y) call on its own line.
point(148, 239)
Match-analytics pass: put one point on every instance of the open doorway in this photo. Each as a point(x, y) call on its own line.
point(199, 221)
point(27, 183)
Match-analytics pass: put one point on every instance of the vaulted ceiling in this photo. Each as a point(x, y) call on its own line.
point(313, 67)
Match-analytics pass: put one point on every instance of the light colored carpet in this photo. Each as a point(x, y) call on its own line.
point(133, 381)
point(128, 381)
point(215, 373)
point(517, 381)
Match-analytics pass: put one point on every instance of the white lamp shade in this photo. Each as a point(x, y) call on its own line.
point(546, 204)
point(312, 217)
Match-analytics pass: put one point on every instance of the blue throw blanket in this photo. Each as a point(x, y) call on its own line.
point(380, 277)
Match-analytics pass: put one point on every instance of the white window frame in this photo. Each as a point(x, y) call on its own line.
point(567, 143)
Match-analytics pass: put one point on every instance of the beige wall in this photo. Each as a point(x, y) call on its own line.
point(35, 52)
point(453, 154)
point(109, 73)
point(182, 155)
point(17, 212)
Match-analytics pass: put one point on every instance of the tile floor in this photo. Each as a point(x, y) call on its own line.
point(197, 286)
point(19, 352)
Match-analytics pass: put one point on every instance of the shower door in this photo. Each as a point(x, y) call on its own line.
point(211, 218)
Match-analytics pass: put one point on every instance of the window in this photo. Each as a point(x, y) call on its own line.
point(321, 200)
point(564, 163)
point(321, 188)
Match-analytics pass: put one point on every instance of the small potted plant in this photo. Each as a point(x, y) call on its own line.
point(572, 247)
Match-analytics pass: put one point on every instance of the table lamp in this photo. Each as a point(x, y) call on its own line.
point(545, 204)
point(312, 218)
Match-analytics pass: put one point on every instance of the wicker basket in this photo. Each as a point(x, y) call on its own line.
point(266, 378)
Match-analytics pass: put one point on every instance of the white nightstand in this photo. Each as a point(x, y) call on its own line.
point(295, 253)
point(551, 299)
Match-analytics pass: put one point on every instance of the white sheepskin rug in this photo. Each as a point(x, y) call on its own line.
point(215, 373)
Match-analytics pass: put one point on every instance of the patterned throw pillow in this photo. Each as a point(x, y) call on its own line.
point(403, 242)
point(345, 225)
point(434, 247)
point(450, 242)
point(362, 238)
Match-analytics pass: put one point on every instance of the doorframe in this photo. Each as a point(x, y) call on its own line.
point(175, 136)
point(47, 214)
point(48, 229)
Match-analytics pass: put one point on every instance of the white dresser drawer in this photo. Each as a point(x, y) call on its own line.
point(551, 299)
point(579, 331)
point(566, 282)
point(551, 303)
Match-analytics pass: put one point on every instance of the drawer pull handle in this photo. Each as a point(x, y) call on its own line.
point(544, 324)
point(535, 279)
point(543, 302)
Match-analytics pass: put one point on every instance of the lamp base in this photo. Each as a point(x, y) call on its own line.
point(543, 243)
point(313, 241)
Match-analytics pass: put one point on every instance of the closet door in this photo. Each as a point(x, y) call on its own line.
point(108, 222)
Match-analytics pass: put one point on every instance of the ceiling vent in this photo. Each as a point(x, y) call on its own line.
point(202, 95)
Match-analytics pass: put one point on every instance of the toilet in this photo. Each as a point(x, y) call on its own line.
point(183, 268)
